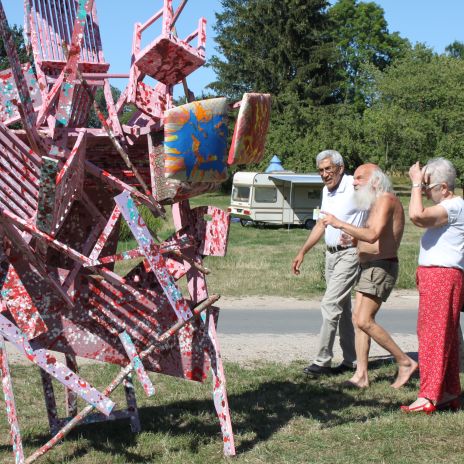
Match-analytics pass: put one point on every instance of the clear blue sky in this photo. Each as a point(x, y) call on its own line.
point(434, 22)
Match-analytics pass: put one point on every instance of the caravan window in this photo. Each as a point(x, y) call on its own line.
point(241, 193)
point(265, 194)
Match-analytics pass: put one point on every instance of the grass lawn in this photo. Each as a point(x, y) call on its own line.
point(258, 260)
point(278, 415)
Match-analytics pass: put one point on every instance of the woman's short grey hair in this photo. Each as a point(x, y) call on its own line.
point(441, 171)
point(380, 182)
point(335, 157)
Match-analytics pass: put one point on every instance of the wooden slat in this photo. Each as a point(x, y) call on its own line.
point(9, 179)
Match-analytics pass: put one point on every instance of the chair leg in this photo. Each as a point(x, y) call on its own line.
point(219, 391)
point(71, 397)
point(50, 402)
point(132, 404)
point(7, 386)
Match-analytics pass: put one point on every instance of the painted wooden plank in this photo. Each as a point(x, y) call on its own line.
point(103, 238)
point(48, 362)
point(143, 317)
point(132, 408)
point(50, 402)
point(211, 226)
point(152, 254)
point(133, 312)
point(71, 397)
point(21, 306)
point(9, 94)
point(28, 156)
point(121, 186)
point(13, 195)
point(47, 194)
point(18, 181)
point(157, 171)
point(27, 254)
point(137, 363)
point(117, 381)
point(69, 281)
point(123, 256)
point(69, 182)
point(28, 116)
point(112, 113)
point(12, 413)
point(36, 50)
point(120, 319)
point(220, 391)
point(68, 88)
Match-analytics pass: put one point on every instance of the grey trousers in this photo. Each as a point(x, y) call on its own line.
point(340, 274)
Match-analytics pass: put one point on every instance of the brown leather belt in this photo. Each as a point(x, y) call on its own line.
point(338, 248)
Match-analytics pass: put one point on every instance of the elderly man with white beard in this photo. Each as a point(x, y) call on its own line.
point(378, 243)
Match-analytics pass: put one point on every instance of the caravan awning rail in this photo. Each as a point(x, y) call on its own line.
point(298, 178)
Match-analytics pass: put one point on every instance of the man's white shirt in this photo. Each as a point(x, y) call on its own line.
point(340, 202)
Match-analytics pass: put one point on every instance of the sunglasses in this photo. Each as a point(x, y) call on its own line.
point(430, 186)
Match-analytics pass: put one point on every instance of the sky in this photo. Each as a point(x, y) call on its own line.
point(437, 23)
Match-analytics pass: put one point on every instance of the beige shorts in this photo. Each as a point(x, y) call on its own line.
point(377, 278)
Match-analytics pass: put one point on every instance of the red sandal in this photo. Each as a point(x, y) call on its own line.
point(428, 408)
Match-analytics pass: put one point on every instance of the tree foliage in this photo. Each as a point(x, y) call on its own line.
point(362, 37)
point(419, 113)
point(455, 49)
point(276, 47)
point(18, 39)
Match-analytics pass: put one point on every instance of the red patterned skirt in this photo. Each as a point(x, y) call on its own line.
point(441, 296)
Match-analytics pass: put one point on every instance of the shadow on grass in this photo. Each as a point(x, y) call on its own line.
point(259, 409)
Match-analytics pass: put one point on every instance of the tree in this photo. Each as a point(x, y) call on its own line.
point(455, 49)
point(362, 37)
point(275, 47)
point(23, 54)
point(419, 111)
point(93, 120)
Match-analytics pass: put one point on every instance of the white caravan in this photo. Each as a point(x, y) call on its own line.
point(275, 198)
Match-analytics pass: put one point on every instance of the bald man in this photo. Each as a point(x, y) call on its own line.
point(378, 243)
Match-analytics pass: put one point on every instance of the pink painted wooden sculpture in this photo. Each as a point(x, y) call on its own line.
point(64, 190)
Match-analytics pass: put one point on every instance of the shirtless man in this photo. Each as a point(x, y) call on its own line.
point(378, 243)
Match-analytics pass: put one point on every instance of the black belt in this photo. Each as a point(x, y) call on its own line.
point(338, 248)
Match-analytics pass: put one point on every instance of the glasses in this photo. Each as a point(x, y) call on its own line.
point(429, 186)
point(328, 170)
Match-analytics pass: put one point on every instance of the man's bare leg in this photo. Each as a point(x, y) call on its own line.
point(369, 306)
point(362, 343)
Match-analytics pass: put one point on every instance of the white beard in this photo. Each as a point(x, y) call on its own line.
point(364, 197)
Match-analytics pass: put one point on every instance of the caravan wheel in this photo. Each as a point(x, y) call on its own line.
point(244, 222)
point(309, 224)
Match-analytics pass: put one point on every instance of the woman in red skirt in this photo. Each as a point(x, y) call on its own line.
point(440, 280)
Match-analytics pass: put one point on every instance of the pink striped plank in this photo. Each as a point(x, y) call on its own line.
point(152, 254)
point(137, 364)
point(219, 390)
point(48, 362)
point(21, 306)
point(12, 413)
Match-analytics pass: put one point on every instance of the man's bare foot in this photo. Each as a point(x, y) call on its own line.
point(356, 382)
point(404, 373)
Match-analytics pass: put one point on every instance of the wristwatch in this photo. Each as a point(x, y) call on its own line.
point(416, 185)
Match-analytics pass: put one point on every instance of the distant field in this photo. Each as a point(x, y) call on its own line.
point(258, 261)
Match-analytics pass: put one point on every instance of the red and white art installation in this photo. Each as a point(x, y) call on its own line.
point(65, 189)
